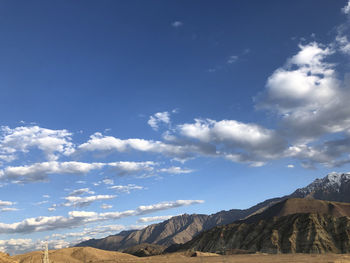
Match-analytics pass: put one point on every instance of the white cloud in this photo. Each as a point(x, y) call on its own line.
point(79, 201)
point(6, 206)
point(159, 118)
point(304, 84)
point(108, 181)
point(290, 166)
point(81, 191)
point(21, 139)
point(41, 202)
point(153, 219)
point(343, 43)
point(124, 168)
point(309, 98)
point(106, 206)
point(175, 170)
point(236, 141)
point(165, 205)
point(126, 188)
point(80, 218)
point(109, 144)
point(346, 9)
point(232, 59)
point(177, 24)
point(8, 209)
point(39, 171)
point(6, 203)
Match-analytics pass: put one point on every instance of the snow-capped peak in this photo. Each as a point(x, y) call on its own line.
point(331, 181)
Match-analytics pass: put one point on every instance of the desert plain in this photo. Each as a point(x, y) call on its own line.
point(91, 255)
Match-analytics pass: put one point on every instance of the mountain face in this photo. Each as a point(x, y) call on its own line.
point(145, 250)
point(333, 187)
point(180, 229)
point(176, 230)
point(291, 226)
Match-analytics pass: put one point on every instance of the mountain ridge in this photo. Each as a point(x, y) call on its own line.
point(291, 226)
point(181, 229)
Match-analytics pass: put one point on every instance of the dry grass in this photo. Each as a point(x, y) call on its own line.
point(92, 255)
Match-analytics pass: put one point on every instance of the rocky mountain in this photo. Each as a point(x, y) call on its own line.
point(333, 187)
point(180, 229)
point(291, 226)
point(176, 230)
point(145, 250)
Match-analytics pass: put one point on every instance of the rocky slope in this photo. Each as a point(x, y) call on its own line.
point(176, 230)
point(180, 229)
point(292, 226)
point(145, 250)
point(333, 187)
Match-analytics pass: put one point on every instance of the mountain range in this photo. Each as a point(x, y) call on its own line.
point(183, 228)
point(291, 226)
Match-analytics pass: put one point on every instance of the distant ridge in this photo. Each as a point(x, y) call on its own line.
point(291, 226)
point(181, 229)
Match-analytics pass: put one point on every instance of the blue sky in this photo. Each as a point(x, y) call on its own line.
point(119, 114)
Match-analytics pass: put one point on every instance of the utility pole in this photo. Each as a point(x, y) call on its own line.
point(46, 254)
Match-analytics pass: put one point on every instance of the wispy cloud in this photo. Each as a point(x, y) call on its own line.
point(177, 24)
point(159, 118)
point(153, 219)
point(80, 218)
point(126, 188)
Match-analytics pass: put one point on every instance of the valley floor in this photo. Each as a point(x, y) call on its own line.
point(253, 258)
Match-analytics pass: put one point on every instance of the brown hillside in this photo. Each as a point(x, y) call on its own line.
point(75, 255)
point(297, 233)
point(291, 226)
point(5, 258)
point(299, 206)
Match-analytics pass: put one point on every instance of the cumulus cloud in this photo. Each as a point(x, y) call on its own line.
point(153, 219)
point(126, 188)
point(109, 144)
point(304, 84)
point(21, 139)
point(237, 141)
point(159, 118)
point(21, 245)
point(80, 218)
point(58, 241)
point(40, 171)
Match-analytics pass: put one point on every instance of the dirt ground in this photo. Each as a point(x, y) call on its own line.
point(89, 255)
point(255, 258)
